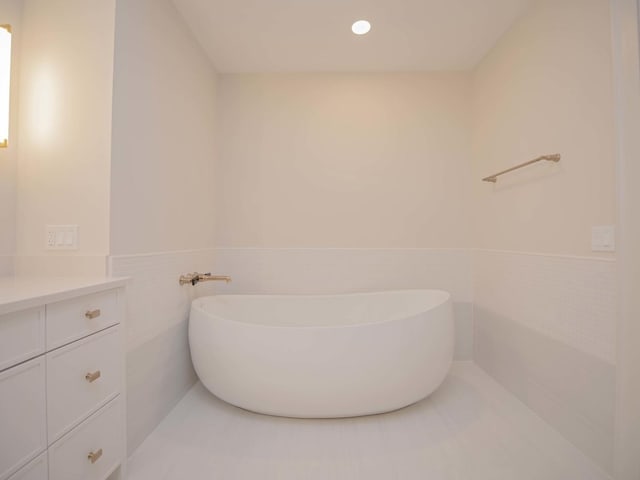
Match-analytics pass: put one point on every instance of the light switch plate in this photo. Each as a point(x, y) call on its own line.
point(603, 238)
point(61, 237)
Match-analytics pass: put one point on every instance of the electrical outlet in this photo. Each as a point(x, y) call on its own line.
point(603, 238)
point(61, 237)
point(51, 238)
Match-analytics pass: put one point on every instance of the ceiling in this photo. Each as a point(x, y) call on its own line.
point(315, 35)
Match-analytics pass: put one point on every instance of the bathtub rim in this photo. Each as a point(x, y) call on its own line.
point(447, 299)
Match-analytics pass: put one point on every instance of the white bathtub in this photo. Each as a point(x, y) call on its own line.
point(325, 355)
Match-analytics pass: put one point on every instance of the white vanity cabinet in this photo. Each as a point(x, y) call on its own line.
point(37, 469)
point(22, 415)
point(62, 380)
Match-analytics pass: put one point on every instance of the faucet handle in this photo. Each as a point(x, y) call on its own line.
point(199, 277)
point(188, 278)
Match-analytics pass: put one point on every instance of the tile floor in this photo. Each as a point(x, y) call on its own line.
point(470, 429)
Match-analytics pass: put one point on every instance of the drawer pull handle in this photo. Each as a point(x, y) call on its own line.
point(92, 377)
point(91, 314)
point(94, 456)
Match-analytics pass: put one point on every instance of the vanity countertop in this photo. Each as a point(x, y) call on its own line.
point(19, 293)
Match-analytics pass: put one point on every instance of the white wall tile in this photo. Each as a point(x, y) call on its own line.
point(570, 299)
point(158, 307)
point(336, 270)
point(159, 369)
point(159, 373)
point(545, 328)
point(156, 301)
point(571, 390)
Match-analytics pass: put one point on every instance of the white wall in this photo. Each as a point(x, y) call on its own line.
point(11, 13)
point(163, 134)
point(343, 160)
point(546, 88)
point(66, 81)
point(161, 197)
point(370, 169)
point(627, 76)
point(544, 303)
point(345, 182)
point(345, 270)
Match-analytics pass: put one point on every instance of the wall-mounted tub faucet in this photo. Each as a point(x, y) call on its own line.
point(195, 278)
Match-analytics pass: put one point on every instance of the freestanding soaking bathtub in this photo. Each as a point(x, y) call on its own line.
point(322, 356)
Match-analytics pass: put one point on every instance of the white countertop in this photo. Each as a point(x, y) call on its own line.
point(18, 293)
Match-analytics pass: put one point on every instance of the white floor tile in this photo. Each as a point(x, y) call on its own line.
point(470, 429)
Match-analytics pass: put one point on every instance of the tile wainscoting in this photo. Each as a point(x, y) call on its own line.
point(158, 308)
point(338, 270)
point(545, 328)
point(159, 370)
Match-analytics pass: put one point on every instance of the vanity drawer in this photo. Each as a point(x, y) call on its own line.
point(70, 320)
point(81, 378)
point(21, 336)
point(23, 422)
point(35, 470)
point(93, 450)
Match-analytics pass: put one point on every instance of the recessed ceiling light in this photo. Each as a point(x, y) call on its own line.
point(361, 27)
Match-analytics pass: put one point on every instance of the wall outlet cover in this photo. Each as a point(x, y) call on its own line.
point(603, 238)
point(61, 237)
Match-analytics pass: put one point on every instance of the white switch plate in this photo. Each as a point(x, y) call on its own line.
point(603, 238)
point(61, 237)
